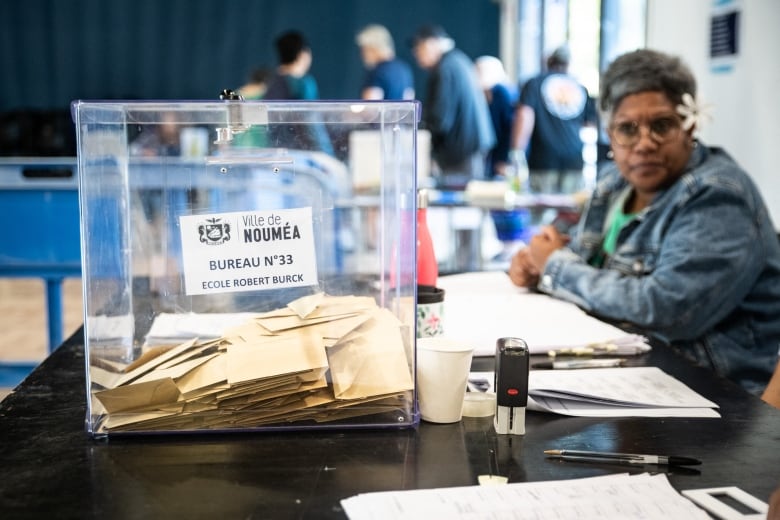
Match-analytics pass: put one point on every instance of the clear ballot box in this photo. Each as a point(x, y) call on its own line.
point(235, 279)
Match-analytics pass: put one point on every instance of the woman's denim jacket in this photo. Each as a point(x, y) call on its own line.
point(699, 268)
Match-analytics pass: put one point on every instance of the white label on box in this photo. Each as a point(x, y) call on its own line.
point(248, 251)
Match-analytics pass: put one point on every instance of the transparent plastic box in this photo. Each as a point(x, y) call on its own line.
point(238, 275)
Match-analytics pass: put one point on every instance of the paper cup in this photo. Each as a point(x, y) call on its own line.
point(443, 366)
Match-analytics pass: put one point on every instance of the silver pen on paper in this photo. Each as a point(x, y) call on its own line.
point(617, 348)
point(579, 363)
point(622, 458)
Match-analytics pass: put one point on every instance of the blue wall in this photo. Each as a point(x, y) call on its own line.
point(55, 51)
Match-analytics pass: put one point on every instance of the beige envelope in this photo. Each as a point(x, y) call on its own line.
point(103, 378)
point(336, 306)
point(305, 305)
point(283, 323)
point(370, 360)
point(338, 327)
point(250, 329)
point(314, 309)
point(199, 349)
point(207, 375)
point(141, 396)
point(147, 356)
point(289, 355)
point(176, 371)
point(151, 364)
point(125, 421)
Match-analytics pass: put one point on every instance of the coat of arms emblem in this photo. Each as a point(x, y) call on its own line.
point(214, 232)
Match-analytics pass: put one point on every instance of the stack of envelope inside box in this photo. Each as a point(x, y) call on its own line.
point(321, 358)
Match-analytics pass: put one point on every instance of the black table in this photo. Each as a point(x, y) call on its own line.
point(51, 468)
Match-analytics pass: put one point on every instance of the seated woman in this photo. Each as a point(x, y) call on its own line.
point(676, 240)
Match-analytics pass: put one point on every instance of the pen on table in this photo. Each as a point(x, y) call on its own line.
point(623, 458)
point(582, 351)
point(580, 363)
point(598, 349)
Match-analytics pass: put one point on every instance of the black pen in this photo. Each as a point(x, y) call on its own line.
point(624, 458)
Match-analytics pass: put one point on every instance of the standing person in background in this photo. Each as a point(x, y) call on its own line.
point(502, 97)
point(253, 90)
point(292, 81)
point(387, 76)
point(454, 109)
point(553, 108)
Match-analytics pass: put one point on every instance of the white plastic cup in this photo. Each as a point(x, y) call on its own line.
point(443, 366)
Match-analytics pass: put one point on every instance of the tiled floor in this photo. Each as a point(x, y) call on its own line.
point(23, 334)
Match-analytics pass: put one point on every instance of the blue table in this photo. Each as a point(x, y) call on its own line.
point(39, 207)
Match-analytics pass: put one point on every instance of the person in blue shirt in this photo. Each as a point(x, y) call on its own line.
point(676, 240)
point(387, 76)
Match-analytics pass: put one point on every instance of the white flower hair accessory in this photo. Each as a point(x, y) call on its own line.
point(692, 112)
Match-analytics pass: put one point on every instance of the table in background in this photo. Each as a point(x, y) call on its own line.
point(39, 207)
point(458, 240)
point(52, 468)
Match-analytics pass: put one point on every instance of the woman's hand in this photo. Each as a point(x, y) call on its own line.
point(522, 270)
point(528, 264)
point(545, 243)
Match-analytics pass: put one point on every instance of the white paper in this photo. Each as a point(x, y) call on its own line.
point(605, 498)
point(168, 327)
point(481, 307)
point(103, 327)
point(608, 392)
point(248, 251)
point(708, 499)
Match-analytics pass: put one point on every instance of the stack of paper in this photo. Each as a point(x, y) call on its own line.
point(170, 328)
point(618, 497)
point(484, 306)
point(609, 392)
point(321, 358)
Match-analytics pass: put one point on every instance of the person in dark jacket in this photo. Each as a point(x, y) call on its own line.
point(454, 109)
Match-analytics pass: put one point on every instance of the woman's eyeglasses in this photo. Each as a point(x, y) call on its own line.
point(661, 130)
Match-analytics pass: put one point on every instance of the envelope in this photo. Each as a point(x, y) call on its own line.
point(139, 396)
point(151, 364)
point(305, 305)
point(293, 355)
point(282, 323)
point(176, 371)
point(371, 360)
point(207, 375)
